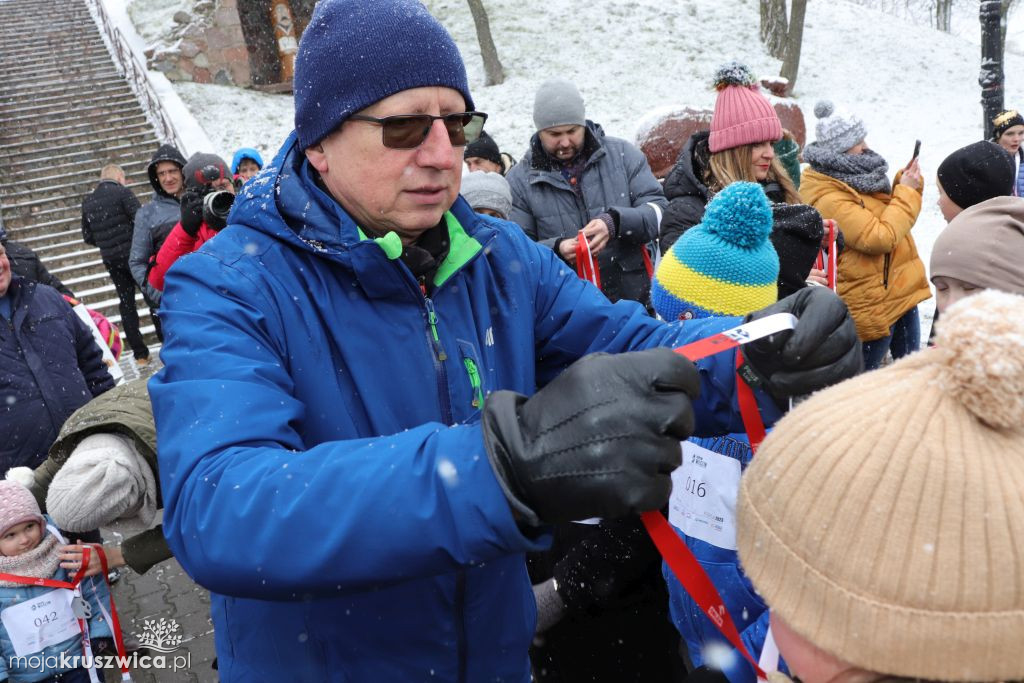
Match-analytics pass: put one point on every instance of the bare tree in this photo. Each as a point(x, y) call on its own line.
point(943, 15)
point(794, 43)
point(493, 70)
point(774, 27)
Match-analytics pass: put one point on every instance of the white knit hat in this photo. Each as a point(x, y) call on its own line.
point(487, 190)
point(105, 482)
point(837, 130)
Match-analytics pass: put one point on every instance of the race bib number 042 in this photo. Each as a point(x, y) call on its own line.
point(703, 502)
point(34, 625)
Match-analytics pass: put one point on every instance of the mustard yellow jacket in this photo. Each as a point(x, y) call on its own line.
point(881, 277)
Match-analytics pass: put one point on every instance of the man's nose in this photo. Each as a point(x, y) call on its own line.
point(436, 150)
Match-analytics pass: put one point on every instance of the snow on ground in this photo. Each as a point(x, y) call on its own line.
point(153, 19)
point(630, 57)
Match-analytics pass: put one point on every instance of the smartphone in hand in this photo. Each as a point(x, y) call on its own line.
point(917, 150)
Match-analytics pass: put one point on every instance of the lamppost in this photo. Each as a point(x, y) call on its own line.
point(991, 76)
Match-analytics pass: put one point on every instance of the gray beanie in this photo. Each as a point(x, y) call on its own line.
point(982, 246)
point(558, 103)
point(104, 480)
point(837, 131)
point(487, 190)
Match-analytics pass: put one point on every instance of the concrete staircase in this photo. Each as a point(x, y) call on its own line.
point(65, 112)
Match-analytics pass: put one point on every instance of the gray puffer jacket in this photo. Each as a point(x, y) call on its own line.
point(616, 179)
point(153, 223)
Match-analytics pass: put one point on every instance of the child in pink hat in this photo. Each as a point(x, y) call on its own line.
point(39, 624)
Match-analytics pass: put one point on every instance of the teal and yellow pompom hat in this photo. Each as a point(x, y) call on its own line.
point(723, 266)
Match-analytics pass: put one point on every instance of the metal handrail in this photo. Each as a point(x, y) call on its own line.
point(129, 67)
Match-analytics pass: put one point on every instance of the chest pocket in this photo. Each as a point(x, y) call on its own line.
point(474, 374)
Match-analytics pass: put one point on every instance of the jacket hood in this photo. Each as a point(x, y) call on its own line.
point(164, 153)
point(245, 153)
point(686, 179)
point(285, 202)
point(593, 140)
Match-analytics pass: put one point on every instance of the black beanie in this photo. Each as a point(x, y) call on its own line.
point(485, 148)
point(977, 172)
point(797, 231)
point(1005, 120)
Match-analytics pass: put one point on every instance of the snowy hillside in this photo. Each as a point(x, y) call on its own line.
point(631, 56)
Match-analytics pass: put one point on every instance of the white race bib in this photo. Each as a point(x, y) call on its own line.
point(703, 502)
point(35, 624)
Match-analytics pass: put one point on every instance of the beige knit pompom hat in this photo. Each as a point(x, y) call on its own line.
point(883, 519)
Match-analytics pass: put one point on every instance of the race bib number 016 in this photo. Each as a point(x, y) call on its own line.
point(703, 502)
point(34, 625)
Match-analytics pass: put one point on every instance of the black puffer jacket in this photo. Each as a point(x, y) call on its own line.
point(688, 194)
point(26, 263)
point(108, 220)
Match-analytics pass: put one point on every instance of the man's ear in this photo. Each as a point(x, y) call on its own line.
point(317, 157)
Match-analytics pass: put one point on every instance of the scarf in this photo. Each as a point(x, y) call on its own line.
point(41, 562)
point(863, 172)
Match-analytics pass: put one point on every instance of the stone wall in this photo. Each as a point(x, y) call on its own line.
point(205, 46)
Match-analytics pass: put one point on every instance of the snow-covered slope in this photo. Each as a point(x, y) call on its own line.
point(631, 56)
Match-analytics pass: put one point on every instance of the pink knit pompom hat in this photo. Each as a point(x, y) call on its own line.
point(17, 505)
point(743, 116)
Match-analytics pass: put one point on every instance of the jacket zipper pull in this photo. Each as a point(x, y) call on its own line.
point(474, 381)
point(432, 320)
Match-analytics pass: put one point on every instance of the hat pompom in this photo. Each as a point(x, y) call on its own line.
point(824, 108)
point(982, 339)
point(740, 214)
point(734, 73)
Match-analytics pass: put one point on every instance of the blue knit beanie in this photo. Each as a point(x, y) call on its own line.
point(724, 265)
point(354, 53)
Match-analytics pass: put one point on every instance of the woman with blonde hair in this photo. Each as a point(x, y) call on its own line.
point(739, 147)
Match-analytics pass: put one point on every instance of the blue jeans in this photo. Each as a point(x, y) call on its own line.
point(903, 339)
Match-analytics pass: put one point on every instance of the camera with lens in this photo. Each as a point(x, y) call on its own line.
point(216, 207)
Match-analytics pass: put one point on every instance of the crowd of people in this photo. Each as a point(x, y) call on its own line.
point(416, 394)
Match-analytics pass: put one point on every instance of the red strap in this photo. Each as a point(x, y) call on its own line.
point(114, 619)
point(833, 256)
point(675, 552)
point(695, 580)
point(586, 266)
point(647, 261)
point(751, 414)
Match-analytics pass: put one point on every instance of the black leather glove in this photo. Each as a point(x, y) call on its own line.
point(601, 440)
point(823, 349)
point(191, 212)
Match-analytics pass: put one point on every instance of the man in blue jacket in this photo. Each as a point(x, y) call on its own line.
point(354, 456)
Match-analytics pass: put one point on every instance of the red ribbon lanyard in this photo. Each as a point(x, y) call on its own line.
point(586, 266)
point(676, 554)
point(115, 623)
point(832, 255)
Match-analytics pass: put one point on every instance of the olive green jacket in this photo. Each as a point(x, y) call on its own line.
point(124, 410)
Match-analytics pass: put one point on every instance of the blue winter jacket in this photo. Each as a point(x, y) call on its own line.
point(748, 611)
point(94, 590)
point(321, 457)
point(50, 366)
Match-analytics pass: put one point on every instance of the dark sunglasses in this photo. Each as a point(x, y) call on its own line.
point(407, 131)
